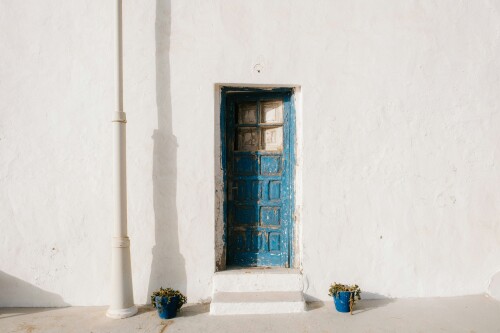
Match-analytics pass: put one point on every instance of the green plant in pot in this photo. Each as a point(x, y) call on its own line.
point(344, 296)
point(168, 302)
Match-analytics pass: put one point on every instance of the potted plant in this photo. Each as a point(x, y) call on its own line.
point(168, 302)
point(344, 296)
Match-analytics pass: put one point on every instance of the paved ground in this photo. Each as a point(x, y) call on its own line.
point(458, 314)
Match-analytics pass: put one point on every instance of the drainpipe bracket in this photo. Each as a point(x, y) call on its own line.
point(120, 242)
point(119, 117)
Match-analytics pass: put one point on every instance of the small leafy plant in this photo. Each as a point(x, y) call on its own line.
point(169, 293)
point(336, 288)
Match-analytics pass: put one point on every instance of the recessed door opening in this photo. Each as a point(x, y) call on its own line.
point(257, 159)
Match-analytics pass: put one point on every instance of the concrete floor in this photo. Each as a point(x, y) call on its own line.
point(458, 314)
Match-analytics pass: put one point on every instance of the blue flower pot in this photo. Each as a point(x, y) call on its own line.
point(342, 301)
point(166, 309)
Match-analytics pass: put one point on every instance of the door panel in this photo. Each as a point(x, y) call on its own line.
point(258, 177)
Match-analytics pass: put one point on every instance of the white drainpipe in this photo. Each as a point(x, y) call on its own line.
point(122, 299)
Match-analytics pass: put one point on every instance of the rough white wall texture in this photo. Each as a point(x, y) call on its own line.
point(401, 141)
point(494, 287)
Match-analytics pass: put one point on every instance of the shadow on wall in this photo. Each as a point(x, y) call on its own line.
point(369, 301)
point(16, 292)
point(167, 267)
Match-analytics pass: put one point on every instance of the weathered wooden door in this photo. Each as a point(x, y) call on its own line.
point(259, 180)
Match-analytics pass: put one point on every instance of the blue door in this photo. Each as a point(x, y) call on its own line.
point(259, 167)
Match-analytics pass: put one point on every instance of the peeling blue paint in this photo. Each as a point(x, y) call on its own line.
point(258, 184)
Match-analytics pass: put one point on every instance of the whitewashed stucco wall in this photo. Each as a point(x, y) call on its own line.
point(401, 133)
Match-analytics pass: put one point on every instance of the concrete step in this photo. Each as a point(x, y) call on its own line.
point(257, 280)
point(239, 303)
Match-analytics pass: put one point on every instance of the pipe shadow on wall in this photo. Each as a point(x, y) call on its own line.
point(168, 265)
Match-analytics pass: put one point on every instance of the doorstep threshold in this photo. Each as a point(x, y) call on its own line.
point(258, 270)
